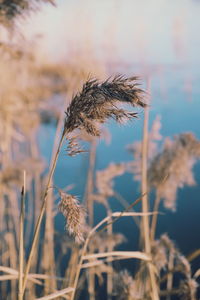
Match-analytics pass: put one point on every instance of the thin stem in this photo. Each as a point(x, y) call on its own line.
point(21, 240)
point(42, 211)
point(170, 275)
point(90, 183)
point(145, 219)
point(110, 272)
point(90, 209)
point(155, 217)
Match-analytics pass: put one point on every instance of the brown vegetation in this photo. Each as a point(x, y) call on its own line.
point(33, 253)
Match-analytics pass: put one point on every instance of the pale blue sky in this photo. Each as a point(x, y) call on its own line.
point(156, 31)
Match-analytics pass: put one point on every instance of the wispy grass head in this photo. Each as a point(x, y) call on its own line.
point(98, 101)
point(173, 167)
point(74, 213)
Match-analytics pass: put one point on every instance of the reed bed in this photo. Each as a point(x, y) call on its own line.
point(37, 261)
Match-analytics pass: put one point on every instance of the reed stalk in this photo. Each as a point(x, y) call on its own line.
point(90, 183)
point(170, 275)
point(10, 239)
point(110, 273)
point(21, 240)
point(90, 210)
point(49, 260)
point(145, 219)
point(154, 217)
point(42, 211)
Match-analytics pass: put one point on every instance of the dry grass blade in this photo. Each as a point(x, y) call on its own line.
point(15, 277)
point(8, 277)
point(126, 254)
point(57, 294)
point(193, 255)
point(131, 214)
point(100, 262)
point(8, 270)
point(15, 274)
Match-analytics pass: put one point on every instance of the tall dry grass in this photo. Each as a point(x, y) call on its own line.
point(32, 253)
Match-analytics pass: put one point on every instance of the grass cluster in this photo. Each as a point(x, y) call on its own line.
point(33, 253)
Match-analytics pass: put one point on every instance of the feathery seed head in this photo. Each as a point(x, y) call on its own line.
point(105, 178)
point(74, 213)
point(97, 103)
point(172, 168)
point(161, 250)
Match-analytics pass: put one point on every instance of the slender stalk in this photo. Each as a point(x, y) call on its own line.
point(109, 273)
point(42, 211)
point(90, 182)
point(145, 219)
point(21, 240)
point(71, 271)
point(91, 283)
point(48, 260)
point(57, 294)
point(155, 217)
point(90, 209)
point(118, 254)
point(170, 275)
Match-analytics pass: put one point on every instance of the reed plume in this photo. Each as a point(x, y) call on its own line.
point(105, 179)
point(173, 167)
point(75, 215)
point(97, 103)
